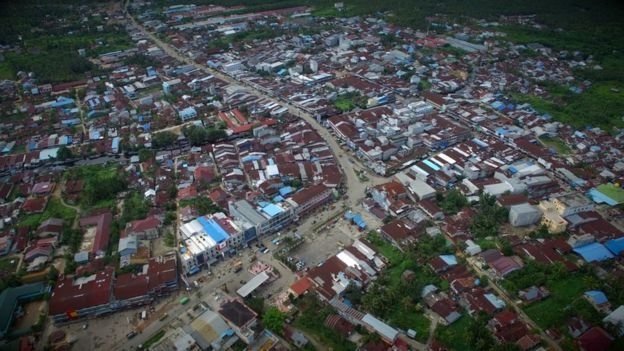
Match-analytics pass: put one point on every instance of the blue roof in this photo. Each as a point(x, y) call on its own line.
point(115, 143)
point(451, 260)
point(349, 215)
point(272, 210)
point(597, 297)
point(278, 198)
point(594, 252)
point(213, 230)
point(431, 165)
point(615, 245)
point(286, 190)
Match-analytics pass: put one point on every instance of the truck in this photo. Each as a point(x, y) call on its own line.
point(238, 266)
point(184, 300)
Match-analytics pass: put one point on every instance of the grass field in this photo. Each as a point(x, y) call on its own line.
point(454, 335)
point(55, 209)
point(6, 265)
point(612, 191)
point(557, 144)
point(566, 299)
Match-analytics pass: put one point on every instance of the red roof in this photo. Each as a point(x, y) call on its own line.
point(35, 205)
point(68, 296)
point(301, 286)
point(305, 195)
point(595, 339)
point(142, 225)
point(102, 231)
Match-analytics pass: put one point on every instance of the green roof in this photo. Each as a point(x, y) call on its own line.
point(612, 191)
point(11, 297)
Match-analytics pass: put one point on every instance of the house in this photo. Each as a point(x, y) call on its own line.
point(599, 300)
point(401, 232)
point(386, 332)
point(339, 324)
point(447, 309)
point(533, 293)
point(577, 326)
point(102, 224)
point(385, 194)
point(240, 318)
point(51, 226)
point(595, 339)
point(144, 229)
point(42, 188)
point(35, 205)
point(616, 318)
point(300, 287)
point(442, 263)
point(431, 209)
point(505, 265)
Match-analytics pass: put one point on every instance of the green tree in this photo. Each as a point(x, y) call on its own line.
point(163, 139)
point(64, 153)
point(452, 202)
point(274, 319)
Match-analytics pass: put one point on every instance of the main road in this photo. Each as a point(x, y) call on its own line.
point(355, 188)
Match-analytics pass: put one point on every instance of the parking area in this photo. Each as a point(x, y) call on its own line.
point(327, 242)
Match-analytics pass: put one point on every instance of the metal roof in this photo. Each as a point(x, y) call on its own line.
point(252, 284)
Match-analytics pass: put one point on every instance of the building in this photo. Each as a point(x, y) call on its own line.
point(206, 239)
point(572, 203)
point(144, 229)
point(80, 297)
point(310, 198)
point(524, 215)
point(11, 298)
point(240, 318)
point(158, 277)
point(266, 218)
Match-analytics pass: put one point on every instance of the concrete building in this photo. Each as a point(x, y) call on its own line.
point(572, 203)
point(523, 215)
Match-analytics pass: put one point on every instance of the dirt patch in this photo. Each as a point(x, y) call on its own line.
point(30, 316)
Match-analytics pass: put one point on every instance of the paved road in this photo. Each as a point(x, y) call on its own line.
point(355, 188)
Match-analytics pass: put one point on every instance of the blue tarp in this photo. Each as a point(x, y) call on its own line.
point(594, 252)
point(597, 297)
point(615, 245)
point(213, 230)
point(359, 221)
point(349, 215)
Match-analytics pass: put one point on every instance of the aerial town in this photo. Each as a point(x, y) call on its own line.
point(244, 175)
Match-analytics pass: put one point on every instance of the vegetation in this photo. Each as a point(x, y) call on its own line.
point(488, 218)
point(199, 135)
point(395, 299)
point(54, 209)
point(135, 207)
point(163, 139)
point(311, 319)
point(348, 101)
point(202, 204)
point(102, 184)
point(452, 202)
point(274, 319)
point(64, 153)
point(153, 339)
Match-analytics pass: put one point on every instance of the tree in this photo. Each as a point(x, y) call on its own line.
point(274, 319)
point(64, 153)
point(195, 134)
point(145, 155)
point(452, 202)
point(163, 139)
point(490, 216)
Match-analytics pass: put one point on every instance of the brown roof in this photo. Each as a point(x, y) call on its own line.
point(237, 313)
